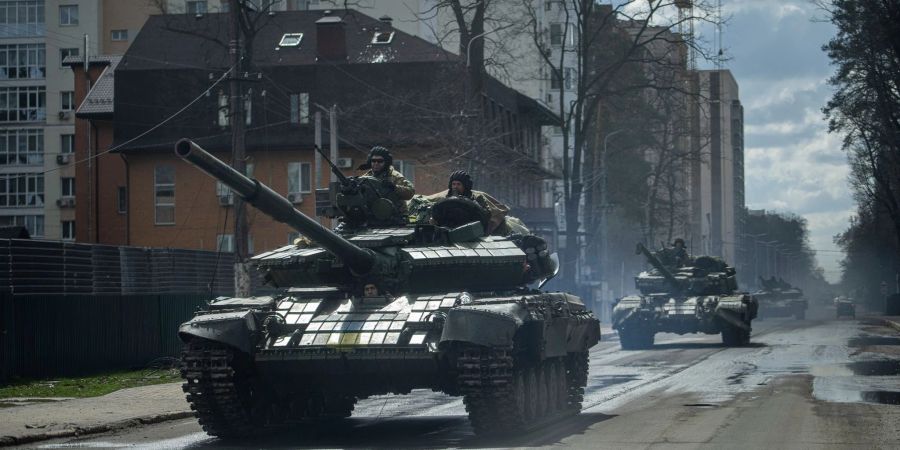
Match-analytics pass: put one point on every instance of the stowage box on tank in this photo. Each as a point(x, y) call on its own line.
point(698, 297)
point(463, 320)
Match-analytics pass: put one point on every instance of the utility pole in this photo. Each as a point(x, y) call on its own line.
point(318, 137)
point(238, 150)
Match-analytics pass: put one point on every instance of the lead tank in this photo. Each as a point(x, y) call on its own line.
point(777, 298)
point(698, 297)
point(456, 313)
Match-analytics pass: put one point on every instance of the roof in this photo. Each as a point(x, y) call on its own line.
point(174, 41)
point(99, 100)
point(92, 60)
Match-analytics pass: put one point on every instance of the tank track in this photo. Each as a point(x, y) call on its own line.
point(502, 398)
point(215, 391)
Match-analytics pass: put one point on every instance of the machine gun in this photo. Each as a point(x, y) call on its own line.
point(658, 265)
point(358, 200)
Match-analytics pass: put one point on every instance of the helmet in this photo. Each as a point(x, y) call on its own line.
point(678, 241)
point(463, 177)
point(382, 152)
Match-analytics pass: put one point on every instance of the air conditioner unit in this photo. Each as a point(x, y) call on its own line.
point(295, 198)
point(226, 200)
point(63, 158)
point(64, 115)
point(65, 202)
point(345, 163)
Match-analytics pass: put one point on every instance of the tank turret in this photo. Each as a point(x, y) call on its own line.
point(381, 306)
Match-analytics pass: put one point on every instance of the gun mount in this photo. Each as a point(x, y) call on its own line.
point(658, 265)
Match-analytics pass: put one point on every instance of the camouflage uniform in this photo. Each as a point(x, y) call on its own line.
point(403, 189)
point(496, 210)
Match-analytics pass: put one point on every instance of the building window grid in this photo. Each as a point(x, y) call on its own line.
point(33, 223)
point(164, 195)
point(22, 190)
point(22, 147)
point(67, 100)
point(67, 143)
point(122, 199)
point(195, 7)
point(118, 35)
point(68, 230)
point(68, 15)
point(67, 186)
point(299, 178)
point(23, 61)
point(22, 18)
point(66, 52)
point(23, 104)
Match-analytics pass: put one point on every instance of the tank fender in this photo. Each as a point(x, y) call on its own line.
point(489, 325)
point(237, 329)
point(624, 309)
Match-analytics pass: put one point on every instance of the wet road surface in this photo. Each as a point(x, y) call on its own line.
point(800, 384)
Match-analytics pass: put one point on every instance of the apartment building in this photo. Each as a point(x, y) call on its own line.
point(37, 102)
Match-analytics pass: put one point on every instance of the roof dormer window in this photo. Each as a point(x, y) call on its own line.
point(291, 40)
point(383, 37)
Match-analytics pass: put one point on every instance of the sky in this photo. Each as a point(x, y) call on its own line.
point(792, 164)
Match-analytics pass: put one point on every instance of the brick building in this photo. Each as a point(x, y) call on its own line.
point(390, 88)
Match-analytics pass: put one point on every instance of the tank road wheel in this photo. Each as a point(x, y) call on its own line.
point(502, 399)
point(221, 389)
point(636, 339)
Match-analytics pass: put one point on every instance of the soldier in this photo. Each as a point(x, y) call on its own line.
point(460, 185)
point(380, 165)
point(679, 253)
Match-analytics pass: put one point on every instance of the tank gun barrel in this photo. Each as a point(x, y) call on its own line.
point(658, 265)
point(274, 205)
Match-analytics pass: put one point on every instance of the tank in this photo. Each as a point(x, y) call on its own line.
point(844, 307)
point(698, 297)
point(778, 298)
point(379, 306)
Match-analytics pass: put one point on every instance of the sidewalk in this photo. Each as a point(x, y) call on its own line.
point(124, 408)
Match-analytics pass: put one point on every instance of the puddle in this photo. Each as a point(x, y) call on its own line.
point(702, 405)
point(867, 341)
point(875, 368)
point(883, 397)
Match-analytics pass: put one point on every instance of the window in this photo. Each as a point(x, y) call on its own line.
point(67, 143)
point(122, 200)
point(34, 224)
point(554, 79)
point(569, 78)
point(68, 230)
point(195, 7)
point(407, 168)
point(68, 15)
point(300, 108)
point(556, 34)
point(22, 190)
point(383, 37)
point(291, 40)
point(299, 178)
point(21, 147)
point(66, 52)
point(164, 189)
point(118, 35)
point(22, 18)
point(68, 186)
point(23, 61)
point(23, 104)
point(224, 242)
point(67, 100)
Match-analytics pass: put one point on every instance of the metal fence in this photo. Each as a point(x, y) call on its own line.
point(69, 309)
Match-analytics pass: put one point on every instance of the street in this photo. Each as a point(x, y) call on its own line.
point(815, 383)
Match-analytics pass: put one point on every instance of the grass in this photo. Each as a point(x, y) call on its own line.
point(90, 386)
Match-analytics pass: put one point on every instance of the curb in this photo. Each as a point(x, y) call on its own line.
point(6, 441)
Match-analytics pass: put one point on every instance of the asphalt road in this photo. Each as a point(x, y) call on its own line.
point(806, 384)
